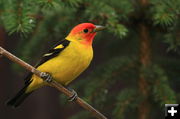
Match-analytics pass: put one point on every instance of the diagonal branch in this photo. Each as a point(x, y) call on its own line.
point(53, 83)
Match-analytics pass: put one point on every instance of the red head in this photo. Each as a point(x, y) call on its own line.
point(84, 33)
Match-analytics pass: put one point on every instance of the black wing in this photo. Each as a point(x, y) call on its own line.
point(49, 55)
point(53, 52)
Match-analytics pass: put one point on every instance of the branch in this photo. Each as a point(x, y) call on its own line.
point(53, 83)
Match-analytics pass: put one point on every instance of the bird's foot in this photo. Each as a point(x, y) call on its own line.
point(46, 76)
point(74, 95)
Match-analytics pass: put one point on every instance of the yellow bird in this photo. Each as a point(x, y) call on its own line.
point(67, 60)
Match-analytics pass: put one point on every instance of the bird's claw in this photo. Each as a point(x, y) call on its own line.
point(46, 76)
point(74, 95)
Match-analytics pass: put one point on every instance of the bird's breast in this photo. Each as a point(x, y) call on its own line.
point(72, 62)
point(76, 59)
point(65, 67)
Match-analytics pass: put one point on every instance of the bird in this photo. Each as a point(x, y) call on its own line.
point(64, 62)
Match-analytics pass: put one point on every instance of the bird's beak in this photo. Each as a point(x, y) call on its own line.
point(98, 28)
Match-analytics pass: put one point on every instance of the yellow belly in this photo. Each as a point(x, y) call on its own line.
point(65, 67)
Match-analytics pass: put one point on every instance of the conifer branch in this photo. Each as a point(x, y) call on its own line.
point(53, 83)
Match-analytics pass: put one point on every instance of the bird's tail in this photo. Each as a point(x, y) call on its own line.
point(19, 97)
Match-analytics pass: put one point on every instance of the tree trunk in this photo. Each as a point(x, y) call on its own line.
point(145, 60)
point(145, 55)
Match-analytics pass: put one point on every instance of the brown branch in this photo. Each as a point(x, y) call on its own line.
point(53, 83)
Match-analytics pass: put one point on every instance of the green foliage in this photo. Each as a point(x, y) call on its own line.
point(46, 4)
point(126, 100)
point(17, 16)
point(173, 40)
point(165, 12)
point(173, 37)
point(119, 29)
point(104, 13)
point(73, 3)
point(160, 87)
point(123, 8)
point(121, 69)
point(105, 77)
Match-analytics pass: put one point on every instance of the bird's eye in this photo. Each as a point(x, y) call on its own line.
point(85, 30)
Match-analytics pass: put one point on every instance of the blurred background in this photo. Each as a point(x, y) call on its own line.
point(135, 70)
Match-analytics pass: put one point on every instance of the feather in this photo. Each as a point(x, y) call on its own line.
point(57, 49)
point(19, 97)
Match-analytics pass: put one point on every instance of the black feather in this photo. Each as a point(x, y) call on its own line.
point(53, 52)
point(19, 97)
point(22, 94)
